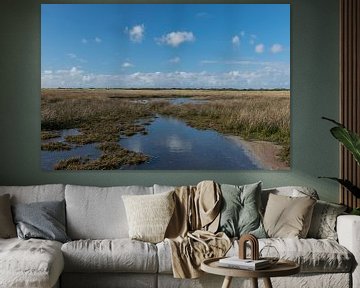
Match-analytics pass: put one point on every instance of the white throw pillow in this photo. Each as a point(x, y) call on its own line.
point(149, 215)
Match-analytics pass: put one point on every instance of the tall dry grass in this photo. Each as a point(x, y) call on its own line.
point(251, 117)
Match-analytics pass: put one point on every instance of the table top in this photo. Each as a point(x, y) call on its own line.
point(281, 268)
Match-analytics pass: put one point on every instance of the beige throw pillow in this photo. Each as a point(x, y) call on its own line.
point(149, 215)
point(288, 217)
point(7, 226)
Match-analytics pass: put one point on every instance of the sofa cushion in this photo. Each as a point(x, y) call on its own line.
point(163, 188)
point(30, 263)
point(291, 191)
point(7, 226)
point(37, 193)
point(313, 255)
point(98, 213)
point(117, 255)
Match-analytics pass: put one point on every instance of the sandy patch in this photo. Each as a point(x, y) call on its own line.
point(263, 152)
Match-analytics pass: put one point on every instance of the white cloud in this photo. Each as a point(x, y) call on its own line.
point(264, 75)
point(242, 33)
point(276, 48)
point(233, 62)
point(136, 33)
point(174, 39)
point(175, 60)
point(260, 48)
point(252, 39)
point(127, 65)
point(97, 40)
point(235, 40)
point(84, 40)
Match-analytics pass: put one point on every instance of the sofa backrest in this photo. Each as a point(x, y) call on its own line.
point(293, 191)
point(36, 193)
point(163, 188)
point(98, 212)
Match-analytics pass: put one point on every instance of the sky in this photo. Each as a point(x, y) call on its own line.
point(242, 46)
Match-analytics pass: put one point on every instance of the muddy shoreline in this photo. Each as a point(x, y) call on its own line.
point(263, 152)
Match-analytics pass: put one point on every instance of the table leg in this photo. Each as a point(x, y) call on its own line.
point(227, 282)
point(254, 282)
point(267, 283)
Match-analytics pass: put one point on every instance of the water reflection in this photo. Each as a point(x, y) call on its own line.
point(175, 101)
point(177, 145)
point(50, 158)
point(172, 144)
point(186, 100)
point(63, 134)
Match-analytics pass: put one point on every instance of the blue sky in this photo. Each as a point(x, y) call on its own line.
point(165, 45)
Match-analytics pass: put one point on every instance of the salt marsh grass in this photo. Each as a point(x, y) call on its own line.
point(104, 116)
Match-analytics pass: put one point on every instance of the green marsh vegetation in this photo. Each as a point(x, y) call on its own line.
point(105, 116)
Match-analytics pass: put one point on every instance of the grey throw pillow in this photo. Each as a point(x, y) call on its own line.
point(240, 213)
point(44, 220)
point(323, 222)
point(7, 227)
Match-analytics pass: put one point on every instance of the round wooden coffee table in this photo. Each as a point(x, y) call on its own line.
point(281, 268)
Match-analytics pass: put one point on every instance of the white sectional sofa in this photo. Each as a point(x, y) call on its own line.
point(101, 254)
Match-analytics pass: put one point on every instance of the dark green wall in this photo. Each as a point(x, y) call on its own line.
point(314, 73)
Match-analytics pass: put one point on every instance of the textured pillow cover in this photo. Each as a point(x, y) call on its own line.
point(240, 210)
point(43, 220)
point(288, 217)
point(323, 222)
point(149, 215)
point(7, 226)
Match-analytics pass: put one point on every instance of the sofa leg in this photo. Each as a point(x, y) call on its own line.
point(267, 283)
point(227, 282)
point(254, 282)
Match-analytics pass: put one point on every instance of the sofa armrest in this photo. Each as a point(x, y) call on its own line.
point(348, 230)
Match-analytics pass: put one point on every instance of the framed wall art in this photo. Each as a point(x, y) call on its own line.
point(165, 86)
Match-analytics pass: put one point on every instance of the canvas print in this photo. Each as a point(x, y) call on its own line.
point(165, 86)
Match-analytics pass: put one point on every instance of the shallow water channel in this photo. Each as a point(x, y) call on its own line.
point(50, 158)
point(172, 144)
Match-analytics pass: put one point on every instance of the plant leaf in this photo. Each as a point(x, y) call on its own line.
point(333, 121)
point(347, 184)
point(348, 138)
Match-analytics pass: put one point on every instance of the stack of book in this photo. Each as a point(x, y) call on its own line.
point(248, 264)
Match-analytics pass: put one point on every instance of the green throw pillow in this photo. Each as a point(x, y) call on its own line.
point(240, 212)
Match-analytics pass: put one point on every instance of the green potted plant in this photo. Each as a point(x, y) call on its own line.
point(351, 141)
